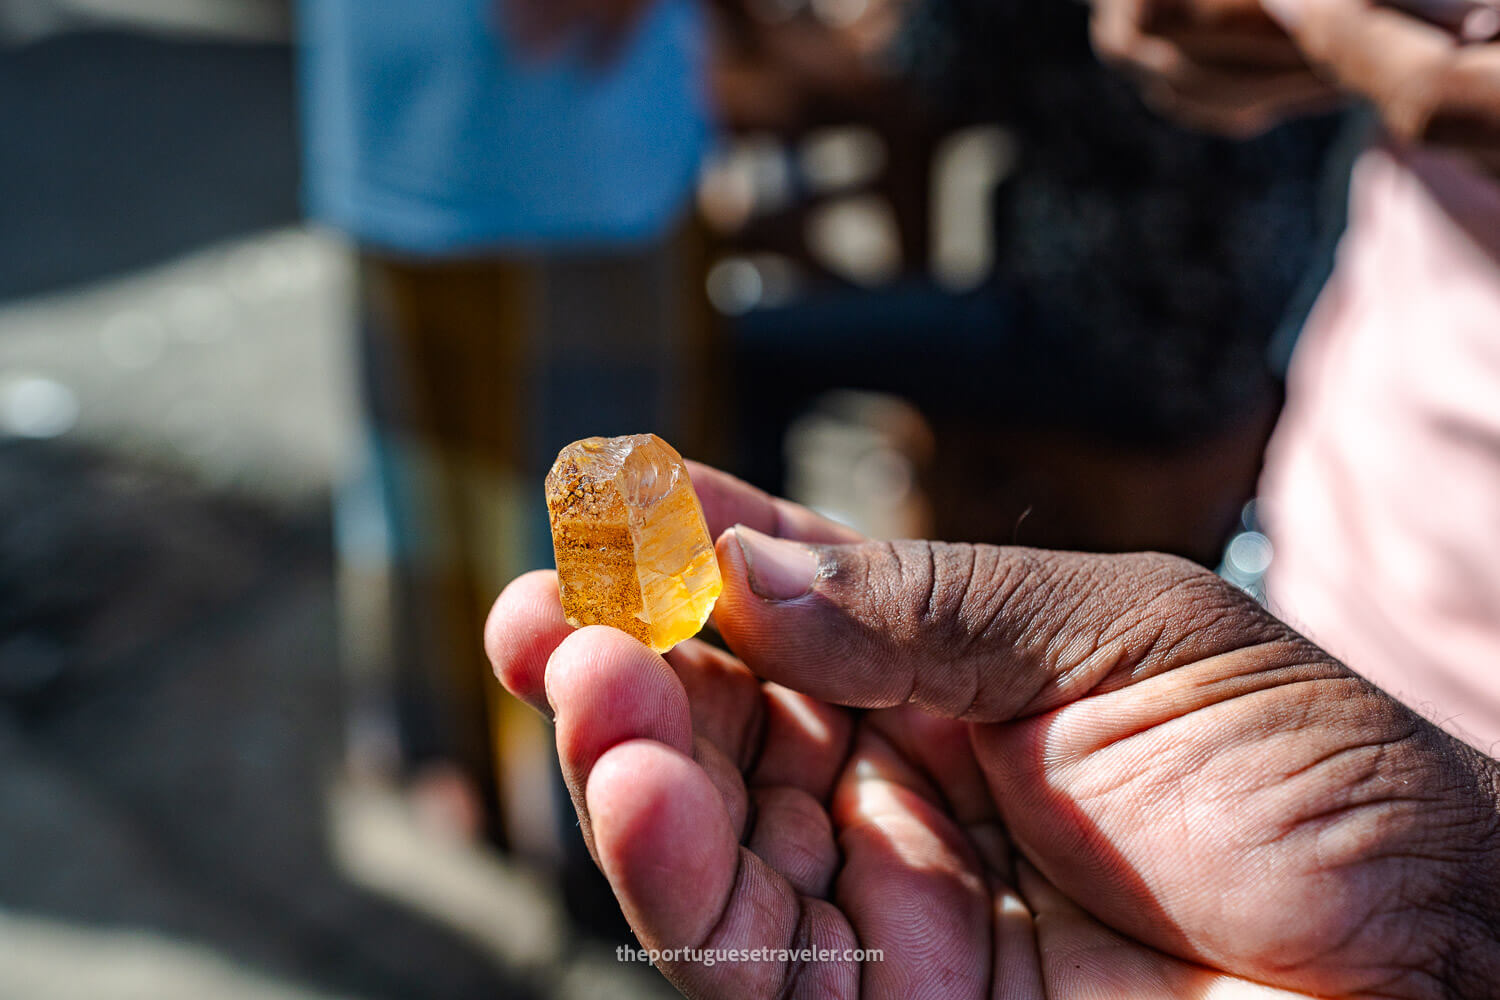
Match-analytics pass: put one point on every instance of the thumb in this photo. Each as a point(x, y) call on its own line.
point(977, 632)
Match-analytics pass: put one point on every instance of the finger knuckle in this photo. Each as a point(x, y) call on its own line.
point(1181, 609)
point(1441, 96)
point(940, 595)
point(943, 592)
point(1170, 586)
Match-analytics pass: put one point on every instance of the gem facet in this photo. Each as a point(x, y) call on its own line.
point(631, 543)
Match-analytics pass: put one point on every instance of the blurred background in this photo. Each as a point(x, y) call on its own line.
point(297, 303)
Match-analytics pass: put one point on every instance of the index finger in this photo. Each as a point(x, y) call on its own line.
point(728, 501)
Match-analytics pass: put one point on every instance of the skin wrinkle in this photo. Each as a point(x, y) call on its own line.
point(1038, 629)
point(801, 939)
point(1158, 647)
point(1331, 825)
point(1087, 665)
point(989, 813)
point(1299, 827)
point(1188, 598)
point(1396, 973)
point(717, 931)
point(1105, 660)
point(965, 880)
point(919, 575)
point(1021, 603)
point(1091, 630)
point(689, 659)
point(1115, 787)
point(752, 818)
point(1474, 901)
point(741, 808)
point(1117, 781)
point(931, 584)
point(1409, 915)
point(753, 734)
point(1031, 640)
point(753, 740)
point(1374, 772)
point(1400, 913)
point(818, 822)
point(1206, 676)
point(911, 691)
point(844, 620)
point(982, 629)
point(1210, 631)
point(977, 674)
point(988, 575)
point(1141, 655)
point(1378, 743)
point(1112, 629)
point(1383, 807)
point(969, 557)
point(1377, 774)
point(1302, 713)
point(888, 588)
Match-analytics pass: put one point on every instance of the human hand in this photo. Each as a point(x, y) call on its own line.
point(1017, 773)
point(1217, 65)
point(1429, 84)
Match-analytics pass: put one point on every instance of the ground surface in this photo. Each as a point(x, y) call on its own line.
point(177, 818)
point(177, 822)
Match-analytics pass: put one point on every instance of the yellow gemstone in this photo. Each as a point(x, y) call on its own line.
point(632, 546)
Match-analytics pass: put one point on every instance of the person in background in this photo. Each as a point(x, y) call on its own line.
point(516, 178)
point(1381, 491)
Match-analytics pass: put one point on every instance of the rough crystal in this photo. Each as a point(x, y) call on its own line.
point(631, 543)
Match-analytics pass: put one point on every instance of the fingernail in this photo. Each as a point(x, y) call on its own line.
point(1284, 12)
point(778, 570)
point(1480, 25)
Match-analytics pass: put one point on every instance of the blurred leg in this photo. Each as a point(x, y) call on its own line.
point(475, 373)
point(444, 360)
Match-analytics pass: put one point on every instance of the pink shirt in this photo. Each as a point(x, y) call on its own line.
point(1382, 482)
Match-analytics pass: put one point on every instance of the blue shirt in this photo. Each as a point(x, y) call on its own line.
point(427, 132)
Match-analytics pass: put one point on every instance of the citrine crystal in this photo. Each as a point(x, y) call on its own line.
point(631, 543)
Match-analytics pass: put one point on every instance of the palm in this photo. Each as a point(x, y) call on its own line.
point(1171, 807)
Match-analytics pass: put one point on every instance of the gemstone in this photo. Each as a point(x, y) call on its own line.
point(631, 543)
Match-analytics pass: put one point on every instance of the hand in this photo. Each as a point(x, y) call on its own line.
point(1217, 65)
point(787, 74)
point(542, 27)
point(1017, 773)
point(1428, 85)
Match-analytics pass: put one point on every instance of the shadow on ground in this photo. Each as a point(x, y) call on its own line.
point(169, 717)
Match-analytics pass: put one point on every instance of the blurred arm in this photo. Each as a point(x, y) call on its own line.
point(1218, 65)
point(1428, 83)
